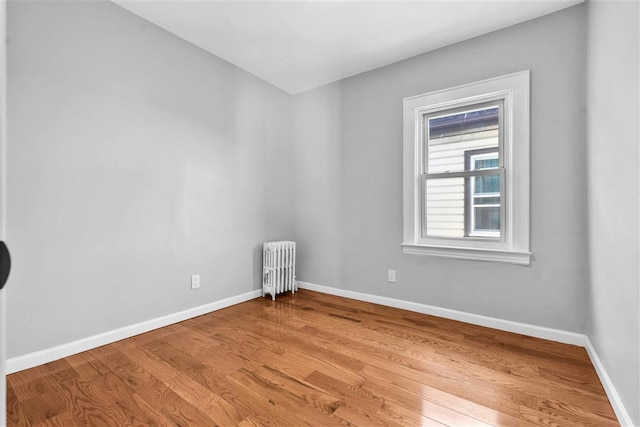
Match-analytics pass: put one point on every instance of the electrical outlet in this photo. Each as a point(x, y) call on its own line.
point(195, 281)
point(392, 276)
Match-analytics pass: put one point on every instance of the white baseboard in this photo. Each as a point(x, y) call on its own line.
point(41, 357)
point(475, 319)
point(495, 323)
point(623, 416)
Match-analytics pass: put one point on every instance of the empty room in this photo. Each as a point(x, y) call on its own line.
point(366, 213)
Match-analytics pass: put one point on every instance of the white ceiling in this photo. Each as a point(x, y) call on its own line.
point(300, 45)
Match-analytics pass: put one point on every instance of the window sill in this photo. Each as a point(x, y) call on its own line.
point(511, 257)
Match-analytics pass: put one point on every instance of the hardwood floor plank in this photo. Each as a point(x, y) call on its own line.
point(137, 412)
point(59, 370)
point(43, 406)
point(388, 383)
point(359, 396)
point(203, 353)
point(62, 420)
point(84, 409)
point(207, 401)
point(358, 417)
point(28, 383)
point(403, 416)
point(15, 412)
point(249, 422)
point(258, 408)
point(319, 360)
point(173, 407)
point(312, 395)
point(123, 367)
point(373, 401)
point(285, 400)
point(86, 366)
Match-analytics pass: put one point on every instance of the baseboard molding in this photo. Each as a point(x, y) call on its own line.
point(41, 357)
point(475, 319)
point(495, 323)
point(623, 416)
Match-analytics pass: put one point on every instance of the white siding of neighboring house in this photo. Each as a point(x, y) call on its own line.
point(445, 197)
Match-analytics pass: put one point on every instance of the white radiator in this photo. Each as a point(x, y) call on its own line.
point(279, 268)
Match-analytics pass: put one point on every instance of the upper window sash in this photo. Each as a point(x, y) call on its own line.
point(450, 109)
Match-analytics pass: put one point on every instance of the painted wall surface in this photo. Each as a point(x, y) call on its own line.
point(135, 160)
point(361, 195)
point(317, 184)
point(613, 71)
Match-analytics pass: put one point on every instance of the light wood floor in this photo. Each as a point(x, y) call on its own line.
point(320, 360)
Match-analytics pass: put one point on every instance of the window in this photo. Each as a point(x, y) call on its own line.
point(484, 195)
point(466, 171)
point(462, 150)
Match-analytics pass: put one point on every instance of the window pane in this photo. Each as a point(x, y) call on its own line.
point(486, 201)
point(487, 218)
point(485, 206)
point(451, 136)
point(487, 184)
point(453, 209)
point(486, 163)
point(444, 203)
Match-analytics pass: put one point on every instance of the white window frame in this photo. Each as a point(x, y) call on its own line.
point(472, 221)
point(513, 245)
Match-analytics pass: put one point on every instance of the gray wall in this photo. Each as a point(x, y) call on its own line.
point(614, 192)
point(348, 180)
point(317, 184)
point(135, 160)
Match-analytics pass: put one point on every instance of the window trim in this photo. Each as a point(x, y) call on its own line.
point(514, 90)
